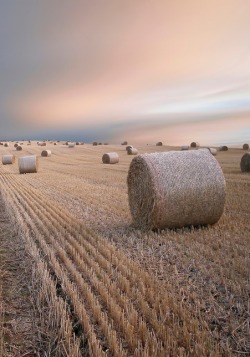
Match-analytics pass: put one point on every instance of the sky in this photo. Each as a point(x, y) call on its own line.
point(138, 70)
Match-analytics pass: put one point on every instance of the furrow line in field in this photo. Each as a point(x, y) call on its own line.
point(66, 272)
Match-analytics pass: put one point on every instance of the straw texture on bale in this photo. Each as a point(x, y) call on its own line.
point(175, 189)
point(132, 151)
point(184, 147)
point(19, 148)
point(28, 164)
point(8, 159)
point(245, 147)
point(213, 151)
point(71, 145)
point(159, 143)
point(110, 158)
point(245, 163)
point(46, 153)
point(194, 145)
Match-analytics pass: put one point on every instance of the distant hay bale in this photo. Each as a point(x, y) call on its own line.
point(71, 145)
point(184, 147)
point(106, 144)
point(124, 143)
point(19, 148)
point(175, 189)
point(95, 143)
point(213, 151)
point(28, 164)
point(110, 158)
point(194, 144)
point(132, 151)
point(8, 159)
point(99, 143)
point(6, 145)
point(43, 144)
point(77, 143)
point(245, 163)
point(245, 147)
point(128, 147)
point(223, 148)
point(55, 143)
point(159, 143)
point(15, 145)
point(46, 153)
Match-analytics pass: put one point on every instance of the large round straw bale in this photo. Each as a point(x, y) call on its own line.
point(132, 151)
point(71, 145)
point(15, 145)
point(95, 143)
point(110, 158)
point(6, 145)
point(213, 151)
point(128, 147)
point(8, 159)
point(55, 143)
point(175, 189)
point(245, 147)
point(46, 153)
point(28, 164)
point(223, 148)
point(194, 145)
point(159, 143)
point(245, 162)
point(184, 147)
point(19, 148)
point(124, 143)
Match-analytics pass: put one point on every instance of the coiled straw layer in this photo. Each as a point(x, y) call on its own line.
point(245, 163)
point(28, 164)
point(110, 158)
point(46, 153)
point(175, 189)
point(132, 151)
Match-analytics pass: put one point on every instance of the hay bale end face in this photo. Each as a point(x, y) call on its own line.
point(15, 145)
point(6, 145)
point(159, 143)
point(95, 143)
point(245, 163)
point(175, 189)
point(28, 164)
point(129, 147)
point(46, 153)
point(194, 144)
point(19, 148)
point(124, 143)
point(132, 151)
point(8, 159)
point(110, 158)
point(245, 147)
point(223, 148)
point(71, 145)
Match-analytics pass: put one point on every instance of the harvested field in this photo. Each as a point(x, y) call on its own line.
point(111, 290)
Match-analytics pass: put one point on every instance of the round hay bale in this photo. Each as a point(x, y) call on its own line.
point(6, 145)
point(106, 144)
point(245, 162)
point(129, 147)
point(184, 147)
point(46, 153)
point(15, 145)
point(28, 164)
point(77, 143)
point(8, 159)
point(175, 189)
point(19, 148)
point(71, 145)
point(223, 148)
point(132, 151)
point(159, 143)
point(245, 147)
point(55, 143)
point(124, 143)
point(110, 158)
point(213, 151)
point(194, 145)
point(95, 143)
point(43, 144)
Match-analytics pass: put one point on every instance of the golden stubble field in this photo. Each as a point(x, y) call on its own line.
point(103, 288)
